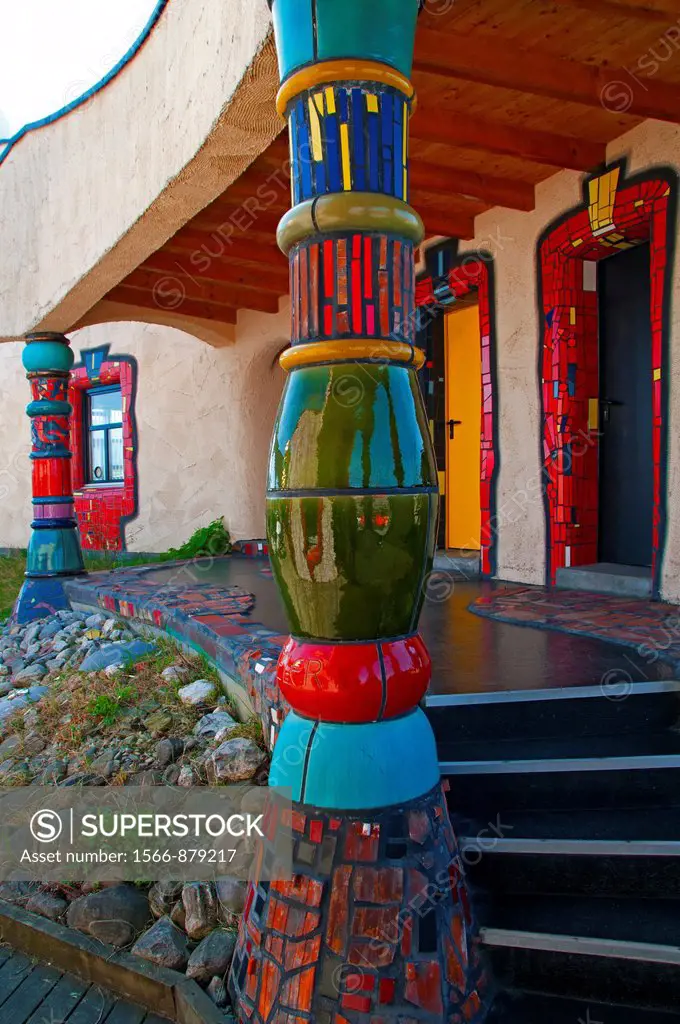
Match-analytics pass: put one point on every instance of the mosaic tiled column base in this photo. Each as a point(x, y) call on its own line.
point(375, 926)
point(54, 549)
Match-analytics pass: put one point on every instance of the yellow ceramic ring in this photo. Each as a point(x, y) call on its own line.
point(360, 349)
point(332, 71)
point(349, 211)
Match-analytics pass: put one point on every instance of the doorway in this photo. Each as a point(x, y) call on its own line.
point(463, 374)
point(626, 462)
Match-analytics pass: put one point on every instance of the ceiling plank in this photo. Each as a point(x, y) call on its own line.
point(269, 279)
point(242, 219)
point(168, 291)
point(661, 11)
point(450, 225)
point(460, 130)
point(189, 308)
point(487, 61)
point(516, 195)
point(202, 247)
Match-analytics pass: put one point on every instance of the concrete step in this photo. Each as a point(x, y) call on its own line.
point(607, 578)
point(614, 708)
point(634, 853)
point(525, 1008)
point(622, 951)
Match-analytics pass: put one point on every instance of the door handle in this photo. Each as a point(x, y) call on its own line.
point(607, 404)
point(452, 424)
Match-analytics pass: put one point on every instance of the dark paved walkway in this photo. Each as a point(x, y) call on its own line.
point(31, 993)
point(230, 608)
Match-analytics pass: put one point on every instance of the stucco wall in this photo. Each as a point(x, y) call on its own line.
point(94, 193)
point(204, 420)
point(512, 237)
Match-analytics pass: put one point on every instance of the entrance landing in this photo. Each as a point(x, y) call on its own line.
point(650, 629)
point(607, 578)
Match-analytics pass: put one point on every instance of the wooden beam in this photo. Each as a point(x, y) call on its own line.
point(243, 218)
point(268, 279)
point(451, 225)
point(189, 308)
point(464, 132)
point(516, 195)
point(169, 290)
point(202, 247)
point(657, 11)
point(489, 61)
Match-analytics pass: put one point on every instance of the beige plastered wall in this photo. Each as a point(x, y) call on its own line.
point(204, 420)
point(84, 200)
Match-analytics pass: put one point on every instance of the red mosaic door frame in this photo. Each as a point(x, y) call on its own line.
point(102, 511)
point(473, 273)
point(618, 213)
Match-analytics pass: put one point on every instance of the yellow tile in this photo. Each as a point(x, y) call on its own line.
point(371, 103)
point(593, 414)
point(572, 315)
point(344, 149)
point(330, 100)
point(657, 375)
point(315, 128)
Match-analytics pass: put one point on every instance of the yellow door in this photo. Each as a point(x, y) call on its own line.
point(464, 408)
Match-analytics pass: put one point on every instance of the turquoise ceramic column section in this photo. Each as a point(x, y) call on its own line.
point(54, 548)
point(351, 521)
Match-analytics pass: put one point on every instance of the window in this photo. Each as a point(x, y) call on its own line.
point(104, 427)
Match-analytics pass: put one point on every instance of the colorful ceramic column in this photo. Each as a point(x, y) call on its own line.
point(375, 926)
point(54, 549)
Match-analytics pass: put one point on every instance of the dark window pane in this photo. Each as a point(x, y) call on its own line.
point(116, 453)
point(97, 456)
point(106, 407)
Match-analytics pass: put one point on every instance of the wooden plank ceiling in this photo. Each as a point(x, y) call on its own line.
point(509, 92)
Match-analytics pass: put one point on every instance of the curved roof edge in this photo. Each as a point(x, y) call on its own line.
point(6, 145)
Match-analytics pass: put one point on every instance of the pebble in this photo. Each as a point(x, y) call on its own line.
point(176, 673)
point(199, 692)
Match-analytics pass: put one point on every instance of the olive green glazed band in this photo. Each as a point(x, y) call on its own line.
point(349, 211)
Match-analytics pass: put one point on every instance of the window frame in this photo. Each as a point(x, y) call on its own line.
point(105, 428)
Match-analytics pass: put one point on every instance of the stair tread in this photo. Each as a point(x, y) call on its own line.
point(649, 921)
point(590, 748)
point(525, 1008)
point(636, 824)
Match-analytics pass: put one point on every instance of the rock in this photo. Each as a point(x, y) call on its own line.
point(200, 906)
point(60, 645)
point(218, 992)
point(146, 778)
point(114, 915)
point(33, 744)
point(116, 654)
point(168, 750)
point(231, 898)
point(163, 896)
point(29, 674)
point(186, 777)
point(159, 722)
point(52, 773)
point(47, 905)
point(104, 765)
point(53, 664)
point(31, 634)
point(5, 688)
point(50, 629)
point(32, 650)
point(171, 775)
point(202, 691)
point(16, 892)
point(235, 760)
point(36, 693)
point(176, 673)
point(84, 779)
point(164, 945)
point(9, 746)
point(178, 915)
point(212, 955)
point(208, 726)
point(113, 670)
point(109, 626)
point(95, 621)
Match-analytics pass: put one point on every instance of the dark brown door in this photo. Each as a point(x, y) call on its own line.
point(626, 467)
